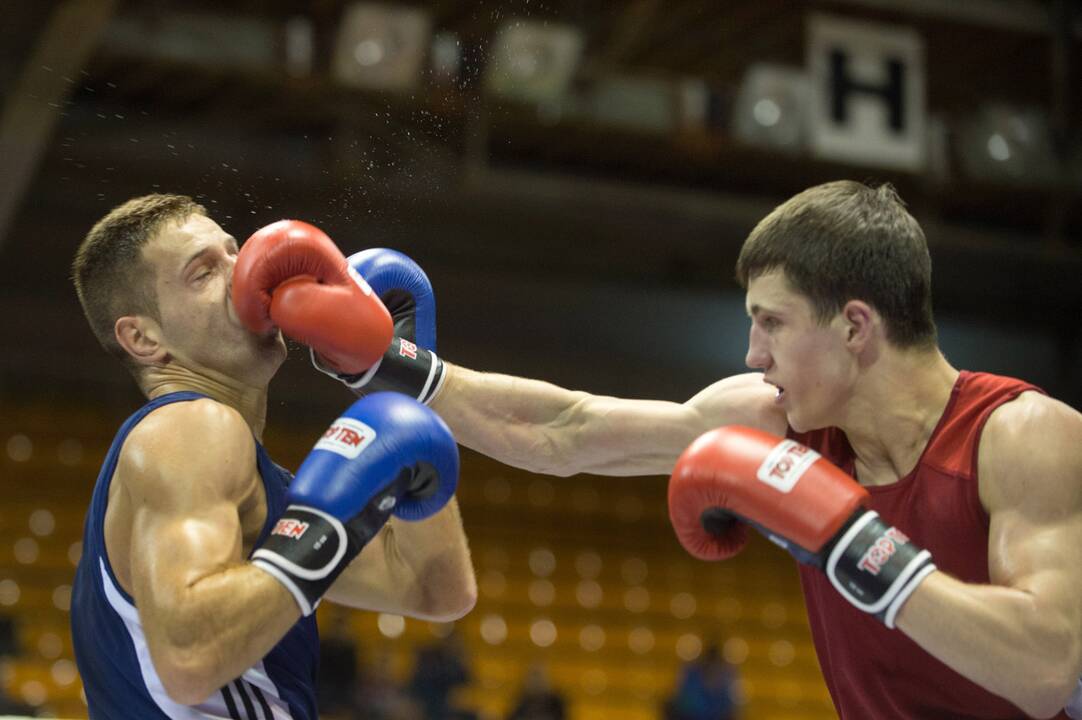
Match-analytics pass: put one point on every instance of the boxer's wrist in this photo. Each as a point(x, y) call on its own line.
point(875, 566)
point(445, 389)
point(306, 551)
point(404, 368)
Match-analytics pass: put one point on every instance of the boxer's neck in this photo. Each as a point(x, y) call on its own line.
point(894, 411)
point(249, 401)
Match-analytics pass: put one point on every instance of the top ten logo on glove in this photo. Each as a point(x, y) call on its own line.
point(347, 437)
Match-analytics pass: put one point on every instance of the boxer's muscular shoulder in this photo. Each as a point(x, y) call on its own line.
point(179, 459)
point(740, 400)
point(186, 452)
point(1030, 457)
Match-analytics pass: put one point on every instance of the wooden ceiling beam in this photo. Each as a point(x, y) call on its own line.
point(47, 77)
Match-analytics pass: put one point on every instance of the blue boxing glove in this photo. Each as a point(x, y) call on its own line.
point(410, 365)
point(402, 281)
point(387, 454)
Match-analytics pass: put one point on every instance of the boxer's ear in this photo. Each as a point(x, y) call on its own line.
point(141, 338)
point(861, 322)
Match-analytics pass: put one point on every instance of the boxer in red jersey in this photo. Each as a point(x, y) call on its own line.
point(977, 479)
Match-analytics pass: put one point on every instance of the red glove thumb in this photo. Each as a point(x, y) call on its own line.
point(291, 275)
point(698, 515)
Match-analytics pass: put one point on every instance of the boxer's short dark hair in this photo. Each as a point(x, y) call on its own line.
point(844, 241)
point(112, 279)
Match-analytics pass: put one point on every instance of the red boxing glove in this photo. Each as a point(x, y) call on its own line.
point(800, 501)
point(291, 275)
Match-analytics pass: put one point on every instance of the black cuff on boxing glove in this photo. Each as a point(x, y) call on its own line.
point(875, 566)
point(405, 368)
point(309, 548)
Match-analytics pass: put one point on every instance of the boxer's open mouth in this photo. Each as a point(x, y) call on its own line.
point(780, 394)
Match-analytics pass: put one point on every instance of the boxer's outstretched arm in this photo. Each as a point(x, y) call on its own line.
point(547, 429)
point(419, 569)
point(1020, 638)
point(207, 615)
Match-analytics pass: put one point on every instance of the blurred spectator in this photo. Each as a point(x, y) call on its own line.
point(706, 691)
point(9, 638)
point(9, 705)
point(539, 701)
point(9, 649)
point(336, 686)
point(380, 697)
point(440, 668)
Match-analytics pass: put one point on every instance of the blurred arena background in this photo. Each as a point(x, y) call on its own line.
point(576, 177)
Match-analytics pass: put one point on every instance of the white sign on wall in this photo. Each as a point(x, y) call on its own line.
point(867, 104)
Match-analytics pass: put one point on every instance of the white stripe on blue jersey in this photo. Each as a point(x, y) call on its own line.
point(216, 706)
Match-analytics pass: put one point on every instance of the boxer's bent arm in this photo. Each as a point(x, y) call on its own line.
point(1020, 638)
point(420, 569)
point(207, 615)
point(547, 429)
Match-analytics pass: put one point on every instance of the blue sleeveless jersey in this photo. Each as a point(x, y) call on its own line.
point(111, 651)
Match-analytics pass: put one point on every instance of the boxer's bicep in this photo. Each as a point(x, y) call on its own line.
point(182, 473)
point(1030, 482)
point(1030, 465)
point(175, 552)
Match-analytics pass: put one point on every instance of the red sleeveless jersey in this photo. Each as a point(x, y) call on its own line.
point(878, 674)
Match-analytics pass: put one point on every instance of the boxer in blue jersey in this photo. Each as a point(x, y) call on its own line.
point(203, 561)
